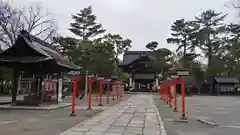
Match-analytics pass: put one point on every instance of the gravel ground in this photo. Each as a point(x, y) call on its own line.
point(32, 122)
point(193, 127)
point(40, 122)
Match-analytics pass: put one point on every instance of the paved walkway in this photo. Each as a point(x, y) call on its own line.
point(136, 116)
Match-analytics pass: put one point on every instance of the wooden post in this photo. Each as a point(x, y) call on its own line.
point(86, 86)
point(108, 92)
point(175, 96)
point(100, 92)
point(170, 94)
point(164, 93)
point(165, 87)
point(16, 75)
point(160, 91)
point(183, 98)
point(117, 88)
point(90, 93)
point(113, 89)
point(41, 90)
point(74, 89)
point(167, 94)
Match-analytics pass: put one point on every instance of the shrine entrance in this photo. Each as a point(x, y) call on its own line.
point(141, 76)
point(144, 85)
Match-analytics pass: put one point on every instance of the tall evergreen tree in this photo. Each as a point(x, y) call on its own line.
point(210, 35)
point(182, 35)
point(85, 25)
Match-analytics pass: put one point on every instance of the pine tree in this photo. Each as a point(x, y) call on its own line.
point(182, 35)
point(152, 45)
point(85, 25)
point(209, 36)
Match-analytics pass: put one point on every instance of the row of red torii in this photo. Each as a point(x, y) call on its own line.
point(117, 90)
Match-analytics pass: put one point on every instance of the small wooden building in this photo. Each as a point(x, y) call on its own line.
point(224, 85)
point(32, 56)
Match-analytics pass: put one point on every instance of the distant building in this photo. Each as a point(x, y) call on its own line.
point(141, 76)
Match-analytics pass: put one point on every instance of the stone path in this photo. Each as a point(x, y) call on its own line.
point(136, 116)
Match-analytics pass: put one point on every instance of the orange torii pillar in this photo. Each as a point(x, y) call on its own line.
point(100, 80)
point(108, 89)
point(175, 94)
point(183, 98)
point(75, 78)
point(90, 82)
point(114, 87)
point(170, 92)
point(118, 89)
point(121, 94)
point(74, 89)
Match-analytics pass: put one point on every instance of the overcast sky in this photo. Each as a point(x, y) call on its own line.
point(140, 20)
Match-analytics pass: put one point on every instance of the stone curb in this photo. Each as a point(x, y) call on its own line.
point(207, 122)
point(175, 120)
point(163, 131)
point(7, 122)
point(29, 108)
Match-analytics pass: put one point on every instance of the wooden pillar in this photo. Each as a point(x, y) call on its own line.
point(86, 86)
point(133, 84)
point(130, 81)
point(59, 90)
point(41, 90)
point(16, 75)
point(57, 86)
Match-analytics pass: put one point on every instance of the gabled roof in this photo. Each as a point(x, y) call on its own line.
point(131, 56)
point(30, 49)
point(226, 79)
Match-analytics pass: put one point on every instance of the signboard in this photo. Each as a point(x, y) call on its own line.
point(74, 73)
point(108, 80)
point(144, 76)
point(174, 76)
point(90, 76)
point(100, 78)
point(183, 73)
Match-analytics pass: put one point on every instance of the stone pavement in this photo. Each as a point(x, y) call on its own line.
point(136, 116)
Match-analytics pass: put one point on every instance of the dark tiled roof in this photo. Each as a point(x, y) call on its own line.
point(43, 50)
point(131, 56)
point(225, 79)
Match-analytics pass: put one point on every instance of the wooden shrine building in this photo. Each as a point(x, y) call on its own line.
point(32, 56)
point(141, 76)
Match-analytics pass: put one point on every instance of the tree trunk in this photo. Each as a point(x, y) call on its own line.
point(184, 55)
point(117, 71)
point(209, 56)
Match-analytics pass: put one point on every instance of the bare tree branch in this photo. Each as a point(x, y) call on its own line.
point(43, 31)
point(31, 19)
point(234, 4)
point(39, 24)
